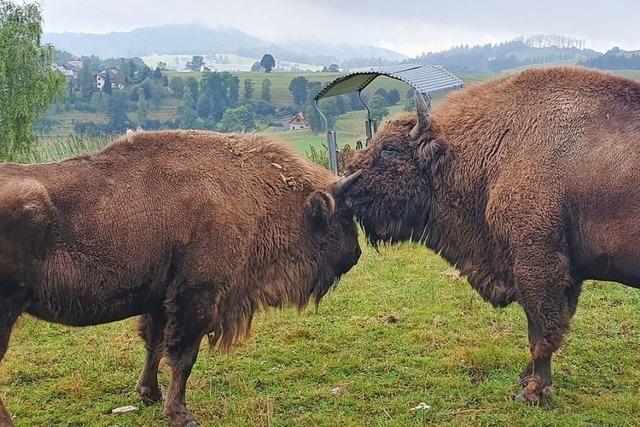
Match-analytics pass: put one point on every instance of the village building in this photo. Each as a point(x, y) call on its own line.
point(69, 69)
point(116, 79)
point(298, 122)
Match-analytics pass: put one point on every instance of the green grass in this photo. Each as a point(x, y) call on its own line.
point(398, 330)
point(401, 328)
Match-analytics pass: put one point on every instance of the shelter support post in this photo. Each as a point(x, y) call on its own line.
point(332, 142)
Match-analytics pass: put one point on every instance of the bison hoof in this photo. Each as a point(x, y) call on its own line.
point(534, 392)
point(148, 395)
point(181, 418)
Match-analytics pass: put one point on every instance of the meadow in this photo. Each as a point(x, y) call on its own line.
point(402, 328)
point(399, 330)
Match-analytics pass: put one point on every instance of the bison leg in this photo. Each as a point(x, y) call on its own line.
point(151, 329)
point(549, 305)
point(11, 306)
point(189, 318)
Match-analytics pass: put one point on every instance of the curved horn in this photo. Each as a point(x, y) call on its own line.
point(423, 121)
point(340, 187)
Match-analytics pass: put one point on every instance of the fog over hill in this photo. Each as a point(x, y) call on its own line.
point(180, 39)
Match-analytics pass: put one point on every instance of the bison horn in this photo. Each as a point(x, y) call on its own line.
point(424, 121)
point(341, 187)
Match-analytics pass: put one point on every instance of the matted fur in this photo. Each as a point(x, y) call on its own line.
point(527, 184)
point(198, 229)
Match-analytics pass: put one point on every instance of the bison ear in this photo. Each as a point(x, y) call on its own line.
point(431, 153)
point(319, 207)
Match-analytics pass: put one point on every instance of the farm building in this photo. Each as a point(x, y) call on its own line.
point(298, 122)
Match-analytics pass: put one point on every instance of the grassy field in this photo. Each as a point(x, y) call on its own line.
point(400, 329)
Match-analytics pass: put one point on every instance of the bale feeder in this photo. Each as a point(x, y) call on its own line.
point(424, 79)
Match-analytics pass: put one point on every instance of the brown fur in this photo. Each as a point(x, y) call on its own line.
point(528, 184)
point(193, 230)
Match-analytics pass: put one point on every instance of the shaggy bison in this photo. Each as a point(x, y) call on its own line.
point(528, 184)
point(191, 230)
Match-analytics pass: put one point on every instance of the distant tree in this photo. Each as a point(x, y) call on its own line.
point(143, 106)
point(333, 68)
point(71, 91)
point(28, 84)
point(378, 108)
point(256, 67)
point(86, 82)
point(233, 89)
point(299, 87)
point(191, 84)
point(63, 56)
point(354, 101)
point(266, 90)
point(143, 74)
point(99, 101)
point(267, 62)
point(196, 63)
point(188, 115)
point(393, 97)
point(132, 68)
point(176, 85)
point(117, 113)
point(328, 108)
point(313, 89)
point(211, 102)
point(162, 66)
point(383, 93)
point(263, 108)
point(237, 120)
point(249, 89)
point(123, 69)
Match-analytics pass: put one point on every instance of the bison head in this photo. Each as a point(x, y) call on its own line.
point(393, 195)
point(335, 248)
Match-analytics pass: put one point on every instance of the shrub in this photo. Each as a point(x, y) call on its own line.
point(318, 156)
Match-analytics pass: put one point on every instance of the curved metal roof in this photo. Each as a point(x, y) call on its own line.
point(425, 79)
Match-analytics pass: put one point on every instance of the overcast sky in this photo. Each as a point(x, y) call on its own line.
point(408, 26)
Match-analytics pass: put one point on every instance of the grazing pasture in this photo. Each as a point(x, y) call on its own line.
point(400, 329)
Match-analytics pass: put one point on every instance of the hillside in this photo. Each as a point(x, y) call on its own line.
point(191, 39)
point(517, 53)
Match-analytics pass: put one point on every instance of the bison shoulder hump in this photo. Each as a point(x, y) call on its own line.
point(25, 208)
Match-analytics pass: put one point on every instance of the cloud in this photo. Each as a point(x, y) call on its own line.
point(409, 26)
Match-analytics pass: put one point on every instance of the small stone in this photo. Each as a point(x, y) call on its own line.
point(420, 406)
point(124, 410)
point(336, 390)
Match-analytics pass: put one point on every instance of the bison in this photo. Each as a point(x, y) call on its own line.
point(528, 184)
point(192, 231)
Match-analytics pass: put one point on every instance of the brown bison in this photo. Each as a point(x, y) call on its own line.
point(193, 231)
point(528, 184)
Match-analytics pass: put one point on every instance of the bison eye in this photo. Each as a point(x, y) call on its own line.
point(389, 153)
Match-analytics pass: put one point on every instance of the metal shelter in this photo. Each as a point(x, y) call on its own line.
point(425, 79)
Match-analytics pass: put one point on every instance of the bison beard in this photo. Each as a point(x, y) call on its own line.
point(527, 184)
point(193, 231)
